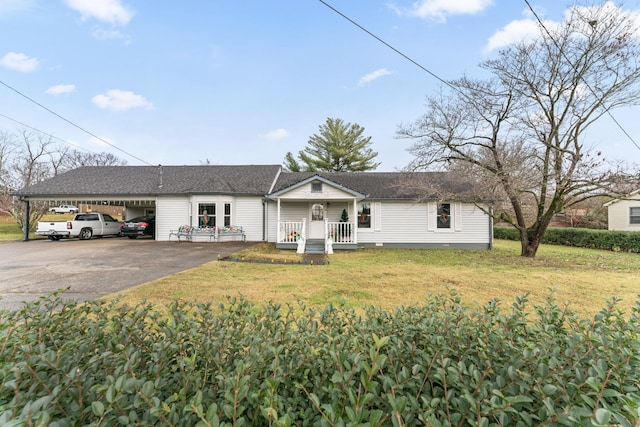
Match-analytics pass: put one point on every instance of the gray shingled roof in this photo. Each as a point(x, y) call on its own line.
point(140, 181)
point(147, 180)
point(387, 185)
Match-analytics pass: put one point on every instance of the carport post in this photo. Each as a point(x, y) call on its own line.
point(25, 222)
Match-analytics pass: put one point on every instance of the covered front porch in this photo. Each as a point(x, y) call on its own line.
point(295, 235)
point(317, 215)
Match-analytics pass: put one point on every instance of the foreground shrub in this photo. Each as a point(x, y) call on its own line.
point(625, 241)
point(439, 363)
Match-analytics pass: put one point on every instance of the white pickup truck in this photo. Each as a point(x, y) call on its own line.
point(64, 209)
point(83, 226)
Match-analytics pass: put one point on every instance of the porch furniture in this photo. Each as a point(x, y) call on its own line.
point(217, 234)
point(230, 232)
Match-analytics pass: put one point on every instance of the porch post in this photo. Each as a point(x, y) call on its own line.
point(25, 221)
point(278, 223)
point(355, 221)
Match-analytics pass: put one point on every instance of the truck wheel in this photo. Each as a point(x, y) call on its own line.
point(85, 234)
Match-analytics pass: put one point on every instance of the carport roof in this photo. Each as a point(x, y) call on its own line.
point(157, 180)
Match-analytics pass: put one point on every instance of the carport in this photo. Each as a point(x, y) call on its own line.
point(132, 206)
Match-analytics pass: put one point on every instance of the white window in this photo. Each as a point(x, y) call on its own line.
point(364, 215)
point(207, 214)
point(634, 215)
point(317, 212)
point(227, 214)
point(444, 215)
point(316, 187)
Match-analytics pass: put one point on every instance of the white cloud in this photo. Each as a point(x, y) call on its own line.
point(372, 76)
point(60, 89)
point(527, 29)
point(121, 100)
point(19, 62)
point(515, 31)
point(102, 34)
point(110, 11)
point(440, 9)
point(103, 141)
point(277, 134)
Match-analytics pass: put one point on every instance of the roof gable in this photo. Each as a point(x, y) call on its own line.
point(309, 181)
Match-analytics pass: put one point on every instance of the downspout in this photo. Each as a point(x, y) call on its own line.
point(264, 219)
point(490, 228)
point(25, 222)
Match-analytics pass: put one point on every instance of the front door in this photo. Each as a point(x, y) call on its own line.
point(316, 225)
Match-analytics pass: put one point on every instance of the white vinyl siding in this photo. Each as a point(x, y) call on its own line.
point(247, 213)
point(171, 213)
point(328, 192)
point(621, 213)
point(414, 223)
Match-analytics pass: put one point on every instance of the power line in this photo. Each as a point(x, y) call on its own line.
point(606, 109)
point(73, 124)
point(454, 87)
point(47, 134)
point(391, 47)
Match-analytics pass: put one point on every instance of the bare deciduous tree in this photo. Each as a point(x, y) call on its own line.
point(520, 134)
point(74, 159)
point(29, 158)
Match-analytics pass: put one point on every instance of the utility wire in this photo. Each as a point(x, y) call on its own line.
point(391, 47)
point(47, 134)
point(457, 89)
point(74, 125)
point(606, 109)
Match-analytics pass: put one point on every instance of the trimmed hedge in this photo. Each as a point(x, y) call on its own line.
point(440, 363)
point(617, 241)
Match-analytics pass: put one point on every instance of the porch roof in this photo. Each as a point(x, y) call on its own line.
point(384, 185)
point(315, 177)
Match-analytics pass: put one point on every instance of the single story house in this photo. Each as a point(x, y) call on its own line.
point(624, 214)
point(344, 209)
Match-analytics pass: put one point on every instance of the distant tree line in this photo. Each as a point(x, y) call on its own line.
point(27, 158)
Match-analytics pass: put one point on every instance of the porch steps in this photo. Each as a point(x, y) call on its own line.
point(314, 247)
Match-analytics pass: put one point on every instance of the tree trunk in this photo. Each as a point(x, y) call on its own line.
point(529, 248)
point(530, 239)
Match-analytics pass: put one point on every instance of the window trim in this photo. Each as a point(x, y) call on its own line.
point(227, 217)
point(360, 209)
point(634, 219)
point(211, 217)
point(316, 187)
point(449, 218)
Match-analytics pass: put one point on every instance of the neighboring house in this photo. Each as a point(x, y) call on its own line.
point(624, 214)
point(349, 209)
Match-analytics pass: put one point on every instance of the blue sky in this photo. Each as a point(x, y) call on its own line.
point(244, 82)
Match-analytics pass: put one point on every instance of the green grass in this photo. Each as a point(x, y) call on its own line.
point(9, 230)
point(390, 278)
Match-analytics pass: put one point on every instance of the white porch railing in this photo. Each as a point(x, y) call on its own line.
point(335, 232)
point(290, 231)
point(341, 232)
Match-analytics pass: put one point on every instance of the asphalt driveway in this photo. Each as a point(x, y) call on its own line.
point(95, 268)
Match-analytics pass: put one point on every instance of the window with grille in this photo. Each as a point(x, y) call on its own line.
point(634, 215)
point(364, 215)
point(207, 214)
point(444, 215)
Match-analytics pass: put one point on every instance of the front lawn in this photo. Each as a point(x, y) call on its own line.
point(389, 278)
